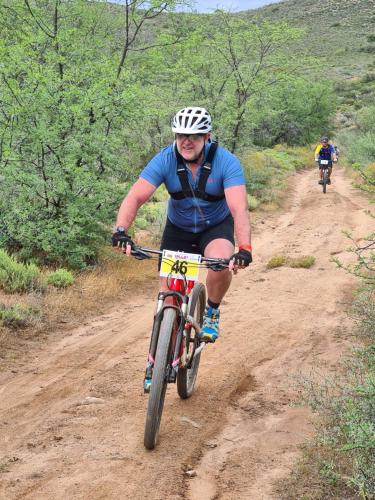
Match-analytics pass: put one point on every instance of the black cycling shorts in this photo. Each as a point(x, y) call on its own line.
point(175, 238)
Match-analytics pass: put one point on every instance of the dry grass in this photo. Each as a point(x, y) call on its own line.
point(113, 279)
point(93, 292)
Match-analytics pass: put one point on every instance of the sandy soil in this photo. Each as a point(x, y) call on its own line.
point(71, 419)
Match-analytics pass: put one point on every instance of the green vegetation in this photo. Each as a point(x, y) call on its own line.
point(18, 277)
point(344, 449)
point(304, 261)
point(79, 120)
point(276, 261)
point(359, 144)
point(16, 316)
point(61, 278)
point(267, 171)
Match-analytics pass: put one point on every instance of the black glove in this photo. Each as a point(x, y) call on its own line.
point(242, 258)
point(121, 239)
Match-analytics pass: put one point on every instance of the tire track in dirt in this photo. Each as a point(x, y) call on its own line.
point(237, 431)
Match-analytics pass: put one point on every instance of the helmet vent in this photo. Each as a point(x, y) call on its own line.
point(192, 121)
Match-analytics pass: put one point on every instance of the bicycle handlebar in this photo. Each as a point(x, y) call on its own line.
point(216, 264)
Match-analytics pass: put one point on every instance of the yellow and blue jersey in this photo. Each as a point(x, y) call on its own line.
point(324, 153)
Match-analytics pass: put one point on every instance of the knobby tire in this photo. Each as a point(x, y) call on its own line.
point(159, 382)
point(186, 377)
point(324, 181)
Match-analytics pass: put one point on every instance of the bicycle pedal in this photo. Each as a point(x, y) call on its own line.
point(147, 385)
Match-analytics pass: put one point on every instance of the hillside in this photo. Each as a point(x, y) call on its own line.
point(341, 34)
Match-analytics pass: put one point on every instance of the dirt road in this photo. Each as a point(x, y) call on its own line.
point(71, 420)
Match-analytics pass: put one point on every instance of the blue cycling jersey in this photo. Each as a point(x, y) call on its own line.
point(194, 214)
point(324, 153)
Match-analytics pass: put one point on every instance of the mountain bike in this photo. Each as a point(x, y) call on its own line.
point(175, 346)
point(324, 165)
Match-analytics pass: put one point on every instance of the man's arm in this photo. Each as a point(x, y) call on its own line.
point(236, 198)
point(139, 193)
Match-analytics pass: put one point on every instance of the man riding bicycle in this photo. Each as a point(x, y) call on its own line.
point(325, 151)
point(207, 205)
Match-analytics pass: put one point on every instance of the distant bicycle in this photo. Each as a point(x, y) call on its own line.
point(324, 165)
point(175, 346)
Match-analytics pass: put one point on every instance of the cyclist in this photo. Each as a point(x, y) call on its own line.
point(337, 151)
point(325, 151)
point(207, 205)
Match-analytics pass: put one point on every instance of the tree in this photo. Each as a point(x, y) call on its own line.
point(67, 89)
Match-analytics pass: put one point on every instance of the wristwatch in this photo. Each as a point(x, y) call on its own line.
point(120, 229)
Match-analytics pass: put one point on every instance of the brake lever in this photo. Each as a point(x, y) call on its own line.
point(140, 255)
point(218, 266)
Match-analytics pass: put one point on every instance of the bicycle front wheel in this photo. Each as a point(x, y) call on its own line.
point(186, 377)
point(325, 179)
point(159, 380)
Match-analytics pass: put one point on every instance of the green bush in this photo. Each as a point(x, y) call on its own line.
point(61, 278)
point(253, 202)
point(141, 223)
point(304, 261)
point(16, 316)
point(18, 277)
point(276, 261)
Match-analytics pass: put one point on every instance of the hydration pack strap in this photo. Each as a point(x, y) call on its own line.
point(200, 191)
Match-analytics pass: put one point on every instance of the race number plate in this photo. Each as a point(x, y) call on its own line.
point(180, 264)
point(324, 162)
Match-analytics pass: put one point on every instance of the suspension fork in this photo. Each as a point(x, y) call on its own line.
point(158, 317)
point(179, 335)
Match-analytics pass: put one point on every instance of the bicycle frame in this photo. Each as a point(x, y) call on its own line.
point(178, 291)
point(179, 309)
point(177, 298)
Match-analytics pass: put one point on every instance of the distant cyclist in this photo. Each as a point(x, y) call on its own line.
point(337, 151)
point(207, 205)
point(325, 151)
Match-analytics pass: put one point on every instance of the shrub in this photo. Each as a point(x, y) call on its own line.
point(253, 202)
point(266, 171)
point(305, 261)
point(18, 277)
point(141, 223)
point(346, 402)
point(276, 261)
point(61, 278)
point(16, 316)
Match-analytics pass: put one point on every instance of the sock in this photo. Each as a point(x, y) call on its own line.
point(214, 305)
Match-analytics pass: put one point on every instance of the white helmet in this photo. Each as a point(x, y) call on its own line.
point(192, 121)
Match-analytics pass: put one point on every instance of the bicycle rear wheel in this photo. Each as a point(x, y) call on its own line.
point(159, 381)
point(186, 377)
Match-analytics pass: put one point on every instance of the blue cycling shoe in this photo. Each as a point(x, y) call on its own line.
point(210, 327)
point(147, 385)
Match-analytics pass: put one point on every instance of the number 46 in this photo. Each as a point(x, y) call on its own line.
point(179, 267)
